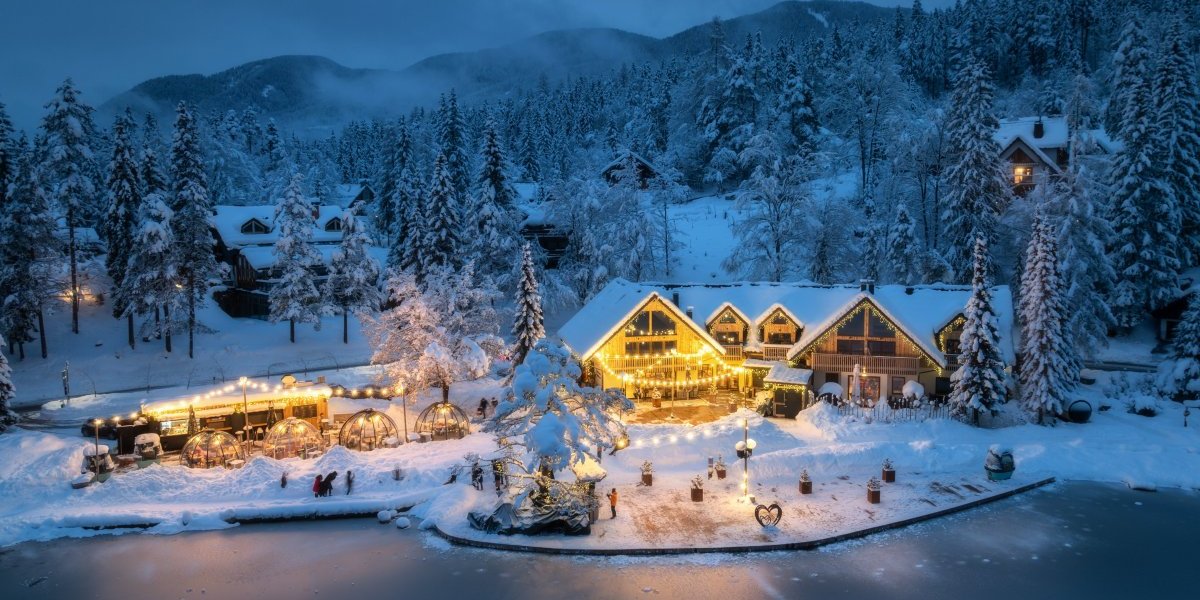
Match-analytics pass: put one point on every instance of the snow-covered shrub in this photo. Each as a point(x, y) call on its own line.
point(720, 464)
point(647, 468)
point(385, 515)
point(403, 523)
point(874, 485)
point(887, 464)
point(804, 475)
point(1143, 404)
point(697, 483)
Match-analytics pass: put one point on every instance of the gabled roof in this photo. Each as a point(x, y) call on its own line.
point(1024, 144)
point(814, 333)
point(766, 314)
point(228, 222)
point(624, 154)
point(920, 313)
point(1055, 133)
point(720, 309)
point(610, 310)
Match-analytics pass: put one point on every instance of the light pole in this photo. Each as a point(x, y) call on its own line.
point(744, 449)
point(96, 460)
point(245, 381)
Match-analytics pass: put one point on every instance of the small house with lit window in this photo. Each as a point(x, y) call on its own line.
point(245, 239)
point(1038, 147)
point(693, 339)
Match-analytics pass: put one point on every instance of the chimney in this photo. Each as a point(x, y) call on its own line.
point(689, 311)
point(675, 298)
point(908, 290)
point(866, 285)
point(1039, 129)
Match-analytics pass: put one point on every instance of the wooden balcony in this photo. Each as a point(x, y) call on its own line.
point(844, 363)
point(651, 363)
point(775, 351)
point(733, 353)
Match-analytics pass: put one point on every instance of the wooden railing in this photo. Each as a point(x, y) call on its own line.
point(844, 363)
point(636, 363)
point(775, 351)
point(733, 353)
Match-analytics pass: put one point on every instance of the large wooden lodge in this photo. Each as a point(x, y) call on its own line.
point(686, 340)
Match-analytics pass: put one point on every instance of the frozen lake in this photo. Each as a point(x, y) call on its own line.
point(1072, 540)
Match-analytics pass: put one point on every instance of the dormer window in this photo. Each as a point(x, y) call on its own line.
point(255, 226)
point(334, 224)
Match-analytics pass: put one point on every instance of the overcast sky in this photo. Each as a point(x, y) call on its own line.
point(109, 46)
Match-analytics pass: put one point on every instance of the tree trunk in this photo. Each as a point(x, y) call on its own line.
point(191, 320)
point(74, 270)
point(129, 325)
point(166, 332)
point(42, 329)
point(157, 324)
point(345, 326)
point(445, 391)
point(292, 330)
point(21, 350)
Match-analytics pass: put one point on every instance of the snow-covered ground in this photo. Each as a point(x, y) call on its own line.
point(840, 453)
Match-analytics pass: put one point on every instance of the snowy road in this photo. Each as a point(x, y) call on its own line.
point(1073, 540)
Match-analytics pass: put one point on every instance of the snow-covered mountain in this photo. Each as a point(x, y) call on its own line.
point(313, 92)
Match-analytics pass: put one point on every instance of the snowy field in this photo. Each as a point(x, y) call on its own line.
point(840, 453)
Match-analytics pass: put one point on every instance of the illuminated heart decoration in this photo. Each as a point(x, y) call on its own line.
point(768, 516)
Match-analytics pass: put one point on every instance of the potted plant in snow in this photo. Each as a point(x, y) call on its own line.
point(873, 487)
point(999, 463)
point(647, 473)
point(889, 473)
point(656, 397)
point(697, 489)
point(805, 482)
point(720, 467)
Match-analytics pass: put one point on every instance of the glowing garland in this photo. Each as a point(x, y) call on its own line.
point(865, 305)
point(660, 383)
point(959, 320)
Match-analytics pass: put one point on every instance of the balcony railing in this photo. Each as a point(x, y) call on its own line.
point(775, 351)
point(733, 352)
point(844, 363)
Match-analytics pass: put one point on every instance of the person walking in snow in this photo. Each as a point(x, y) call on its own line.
point(349, 481)
point(498, 475)
point(612, 502)
point(483, 406)
point(477, 476)
point(327, 487)
point(318, 486)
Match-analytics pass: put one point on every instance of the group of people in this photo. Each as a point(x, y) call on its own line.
point(487, 407)
point(323, 485)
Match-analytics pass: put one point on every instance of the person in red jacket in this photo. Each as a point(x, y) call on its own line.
point(317, 487)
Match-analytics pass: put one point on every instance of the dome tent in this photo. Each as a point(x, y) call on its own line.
point(442, 421)
point(292, 437)
point(367, 430)
point(211, 448)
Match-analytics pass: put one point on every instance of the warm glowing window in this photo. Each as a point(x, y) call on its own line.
point(866, 333)
point(254, 226)
point(1022, 174)
point(650, 322)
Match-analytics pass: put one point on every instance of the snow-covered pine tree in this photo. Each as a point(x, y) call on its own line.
point(150, 278)
point(874, 242)
point(777, 198)
point(796, 106)
point(1086, 271)
point(496, 236)
point(976, 189)
point(153, 179)
point(8, 157)
point(385, 210)
point(979, 383)
point(195, 264)
point(7, 391)
point(1179, 375)
point(528, 325)
point(726, 120)
point(442, 244)
point(627, 224)
point(294, 296)
point(29, 255)
point(904, 250)
point(1143, 215)
point(353, 284)
point(124, 199)
point(1130, 69)
point(68, 168)
point(1178, 131)
point(1049, 370)
point(452, 131)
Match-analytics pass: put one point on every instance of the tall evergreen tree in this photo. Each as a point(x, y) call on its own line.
point(904, 250)
point(1144, 216)
point(453, 146)
point(442, 241)
point(1130, 69)
point(1179, 375)
point(726, 120)
point(528, 326)
point(153, 179)
point(29, 253)
point(1050, 370)
point(1178, 132)
point(67, 167)
point(8, 157)
point(796, 105)
point(353, 283)
point(976, 187)
point(295, 296)
point(979, 383)
point(151, 277)
point(196, 265)
point(124, 200)
point(496, 237)
point(1086, 270)
point(7, 391)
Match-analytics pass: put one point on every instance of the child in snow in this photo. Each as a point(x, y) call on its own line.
point(349, 481)
point(327, 488)
point(612, 502)
point(318, 486)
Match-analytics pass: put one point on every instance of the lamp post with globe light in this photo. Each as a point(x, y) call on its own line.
point(744, 449)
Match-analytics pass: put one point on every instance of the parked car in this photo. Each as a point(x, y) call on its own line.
point(108, 427)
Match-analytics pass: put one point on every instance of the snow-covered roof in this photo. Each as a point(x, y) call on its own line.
point(758, 363)
point(1055, 132)
point(624, 154)
point(918, 314)
point(781, 374)
point(346, 193)
point(263, 257)
point(231, 394)
point(228, 222)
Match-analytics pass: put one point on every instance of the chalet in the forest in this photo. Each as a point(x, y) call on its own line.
point(1035, 147)
point(358, 195)
point(687, 340)
point(245, 239)
point(1167, 318)
point(646, 171)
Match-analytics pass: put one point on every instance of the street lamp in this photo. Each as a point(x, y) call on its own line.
point(96, 427)
point(245, 381)
point(744, 449)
